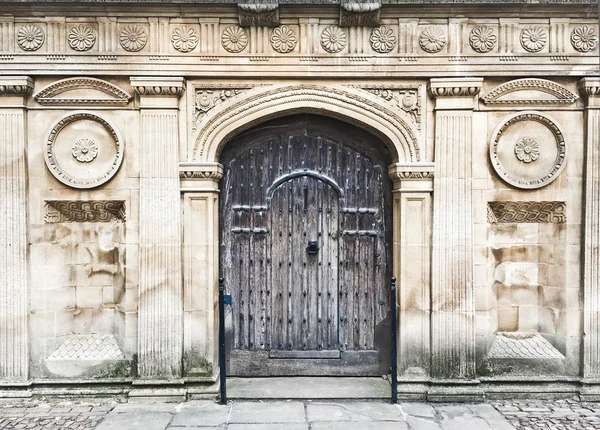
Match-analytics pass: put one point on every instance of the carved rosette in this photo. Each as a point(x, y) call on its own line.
point(81, 38)
point(30, 37)
point(333, 39)
point(85, 150)
point(184, 39)
point(383, 39)
point(432, 40)
point(283, 39)
point(527, 150)
point(133, 38)
point(482, 39)
point(584, 38)
point(533, 39)
point(234, 39)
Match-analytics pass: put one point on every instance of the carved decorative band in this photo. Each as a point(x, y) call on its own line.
point(411, 172)
point(151, 90)
point(527, 212)
point(201, 171)
point(590, 87)
point(58, 211)
point(16, 86)
point(454, 91)
point(258, 14)
point(356, 14)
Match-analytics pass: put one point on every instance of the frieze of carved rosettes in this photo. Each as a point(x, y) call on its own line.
point(283, 39)
point(432, 40)
point(234, 39)
point(584, 38)
point(533, 39)
point(30, 37)
point(153, 90)
point(81, 37)
point(482, 39)
point(133, 38)
point(184, 38)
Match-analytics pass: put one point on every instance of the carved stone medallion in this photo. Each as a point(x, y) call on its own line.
point(333, 39)
point(283, 39)
point(133, 38)
point(234, 39)
point(81, 37)
point(30, 37)
point(432, 40)
point(83, 150)
point(184, 38)
point(482, 39)
point(533, 39)
point(383, 39)
point(584, 38)
point(528, 150)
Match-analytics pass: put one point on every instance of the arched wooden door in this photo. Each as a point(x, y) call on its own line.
point(305, 249)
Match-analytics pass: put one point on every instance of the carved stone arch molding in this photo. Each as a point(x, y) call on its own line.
point(259, 105)
point(530, 92)
point(68, 92)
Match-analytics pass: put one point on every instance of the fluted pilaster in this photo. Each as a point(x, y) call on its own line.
point(14, 352)
point(160, 316)
point(453, 336)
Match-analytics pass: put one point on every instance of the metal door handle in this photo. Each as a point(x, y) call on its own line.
point(313, 247)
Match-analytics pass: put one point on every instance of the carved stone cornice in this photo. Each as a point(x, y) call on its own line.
point(590, 90)
point(169, 87)
point(259, 14)
point(16, 86)
point(200, 176)
point(455, 87)
point(412, 177)
point(356, 14)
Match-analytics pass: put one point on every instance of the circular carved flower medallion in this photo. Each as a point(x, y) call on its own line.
point(133, 38)
point(528, 150)
point(83, 162)
point(234, 39)
point(283, 39)
point(383, 39)
point(432, 40)
point(333, 39)
point(184, 38)
point(584, 38)
point(30, 37)
point(533, 39)
point(482, 39)
point(85, 150)
point(81, 38)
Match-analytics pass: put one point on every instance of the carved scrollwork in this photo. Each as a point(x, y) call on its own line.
point(283, 39)
point(59, 211)
point(81, 37)
point(234, 39)
point(258, 14)
point(527, 212)
point(355, 14)
point(207, 98)
point(30, 37)
point(482, 39)
point(404, 98)
point(432, 40)
point(383, 39)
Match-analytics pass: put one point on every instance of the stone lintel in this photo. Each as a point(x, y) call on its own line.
point(455, 93)
point(590, 90)
point(412, 177)
point(198, 177)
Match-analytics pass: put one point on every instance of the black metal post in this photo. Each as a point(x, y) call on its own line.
point(222, 364)
point(394, 345)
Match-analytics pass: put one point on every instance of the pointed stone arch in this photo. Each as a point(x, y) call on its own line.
point(260, 105)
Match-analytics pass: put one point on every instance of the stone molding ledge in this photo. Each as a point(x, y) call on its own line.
point(412, 177)
point(590, 89)
point(198, 177)
point(455, 87)
point(16, 86)
point(165, 87)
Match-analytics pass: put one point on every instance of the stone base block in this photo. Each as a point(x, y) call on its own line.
point(165, 395)
point(461, 391)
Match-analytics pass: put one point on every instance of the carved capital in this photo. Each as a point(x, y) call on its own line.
point(169, 87)
point(356, 14)
point(412, 177)
point(259, 14)
point(16, 86)
point(590, 90)
point(455, 87)
point(200, 176)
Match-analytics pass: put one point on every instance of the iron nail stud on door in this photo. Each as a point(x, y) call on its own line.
point(312, 247)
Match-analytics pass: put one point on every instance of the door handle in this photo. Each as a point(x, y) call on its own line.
point(312, 247)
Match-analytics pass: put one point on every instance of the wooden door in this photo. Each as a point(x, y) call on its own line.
point(305, 250)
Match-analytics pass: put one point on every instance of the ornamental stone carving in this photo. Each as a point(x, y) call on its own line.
point(533, 39)
point(85, 150)
point(482, 39)
point(91, 161)
point(258, 14)
point(432, 40)
point(383, 39)
point(355, 14)
point(98, 92)
point(527, 212)
point(584, 38)
point(184, 38)
point(16, 86)
point(59, 211)
point(234, 39)
point(283, 39)
point(30, 37)
point(528, 150)
point(133, 38)
point(333, 39)
point(534, 91)
point(81, 38)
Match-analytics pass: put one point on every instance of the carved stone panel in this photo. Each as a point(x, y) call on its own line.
point(58, 211)
point(528, 150)
point(83, 150)
point(527, 212)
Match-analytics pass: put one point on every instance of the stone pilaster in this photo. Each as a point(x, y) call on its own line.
point(413, 185)
point(14, 277)
point(160, 331)
point(453, 310)
point(590, 88)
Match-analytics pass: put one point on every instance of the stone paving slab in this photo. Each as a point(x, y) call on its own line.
point(353, 411)
point(267, 412)
point(146, 420)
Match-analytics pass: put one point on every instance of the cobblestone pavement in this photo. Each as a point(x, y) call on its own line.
point(521, 414)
